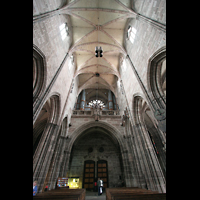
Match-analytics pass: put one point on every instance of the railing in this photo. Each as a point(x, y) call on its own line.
point(92, 112)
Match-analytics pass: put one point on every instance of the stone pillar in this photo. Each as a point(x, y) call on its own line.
point(43, 154)
point(82, 105)
point(58, 169)
point(110, 101)
point(152, 175)
point(66, 163)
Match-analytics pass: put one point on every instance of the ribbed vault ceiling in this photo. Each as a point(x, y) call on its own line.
point(98, 23)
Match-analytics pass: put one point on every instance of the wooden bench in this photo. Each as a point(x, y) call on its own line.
point(64, 193)
point(133, 193)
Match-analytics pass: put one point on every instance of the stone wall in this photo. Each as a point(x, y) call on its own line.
point(78, 121)
point(148, 40)
point(40, 7)
point(155, 10)
point(47, 37)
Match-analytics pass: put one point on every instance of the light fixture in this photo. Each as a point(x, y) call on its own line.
point(97, 104)
point(98, 51)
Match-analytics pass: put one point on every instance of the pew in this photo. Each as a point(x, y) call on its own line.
point(133, 193)
point(64, 194)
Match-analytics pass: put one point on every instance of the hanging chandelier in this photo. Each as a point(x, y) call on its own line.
point(98, 51)
point(96, 104)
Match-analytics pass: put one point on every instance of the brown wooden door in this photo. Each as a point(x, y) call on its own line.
point(89, 173)
point(102, 172)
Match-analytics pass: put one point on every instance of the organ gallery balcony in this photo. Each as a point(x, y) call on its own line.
point(95, 112)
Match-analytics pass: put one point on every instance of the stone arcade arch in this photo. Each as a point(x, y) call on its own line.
point(113, 133)
point(156, 78)
point(39, 73)
point(150, 169)
point(45, 148)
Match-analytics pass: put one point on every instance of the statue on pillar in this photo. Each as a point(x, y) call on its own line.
point(125, 117)
point(96, 113)
point(97, 110)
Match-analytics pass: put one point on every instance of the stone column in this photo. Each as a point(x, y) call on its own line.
point(110, 101)
point(58, 167)
point(152, 175)
point(82, 105)
point(43, 154)
point(66, 163)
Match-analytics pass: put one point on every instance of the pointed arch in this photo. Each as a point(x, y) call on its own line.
point(45, 147)
point(151, 164)
point(154, 77)
point(112, 131)
point(39, 73)
point(49, 114)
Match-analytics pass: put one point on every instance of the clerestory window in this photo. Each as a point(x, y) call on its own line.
point(131, 33)
point(63, 30)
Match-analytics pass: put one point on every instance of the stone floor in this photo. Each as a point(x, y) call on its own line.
point(94, 196)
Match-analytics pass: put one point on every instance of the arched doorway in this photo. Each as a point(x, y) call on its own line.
point(94, 155)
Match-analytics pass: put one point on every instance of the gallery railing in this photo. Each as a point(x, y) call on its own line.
point(92, 112)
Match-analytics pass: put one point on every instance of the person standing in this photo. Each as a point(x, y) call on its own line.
point(34, 188)
point(101, 186)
